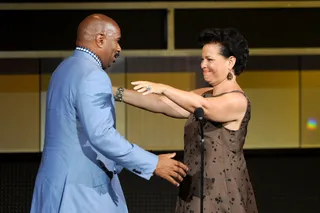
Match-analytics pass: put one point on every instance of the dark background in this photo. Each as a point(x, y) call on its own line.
point(285, 181)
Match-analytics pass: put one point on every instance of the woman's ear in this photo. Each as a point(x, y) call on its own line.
point(232, 62)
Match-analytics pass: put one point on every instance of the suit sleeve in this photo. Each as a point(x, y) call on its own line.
point(95, 109)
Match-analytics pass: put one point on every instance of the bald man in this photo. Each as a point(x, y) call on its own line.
point(83, 152)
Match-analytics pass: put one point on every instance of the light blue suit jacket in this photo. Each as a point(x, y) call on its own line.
point(83, 152)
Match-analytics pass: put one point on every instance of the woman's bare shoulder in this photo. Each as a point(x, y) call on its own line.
point(200, 91)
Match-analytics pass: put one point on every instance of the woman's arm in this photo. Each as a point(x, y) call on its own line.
point(225, 108)
point(153, 103)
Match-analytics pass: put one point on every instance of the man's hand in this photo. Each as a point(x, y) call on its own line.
point(171, 170)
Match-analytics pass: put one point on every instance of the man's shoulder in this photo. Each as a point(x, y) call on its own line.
point(78, 66)
point(73, 62)
point(75, 70)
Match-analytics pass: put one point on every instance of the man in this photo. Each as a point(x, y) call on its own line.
point(83, 152)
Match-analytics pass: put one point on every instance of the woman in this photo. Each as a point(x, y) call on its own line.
point(227, 186)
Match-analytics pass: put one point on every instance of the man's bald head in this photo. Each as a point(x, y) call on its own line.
point(100, 34)
point(95, 24)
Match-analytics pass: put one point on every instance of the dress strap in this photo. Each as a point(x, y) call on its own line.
point(209, 93)
point(228, 92)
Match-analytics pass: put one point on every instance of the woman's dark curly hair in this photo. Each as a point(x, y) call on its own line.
point(232, 42)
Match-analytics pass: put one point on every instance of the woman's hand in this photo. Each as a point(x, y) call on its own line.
point(147, 87)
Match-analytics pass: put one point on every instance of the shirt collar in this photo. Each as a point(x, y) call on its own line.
point(92, 54)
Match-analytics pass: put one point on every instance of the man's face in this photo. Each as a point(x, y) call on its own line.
point(111, 48)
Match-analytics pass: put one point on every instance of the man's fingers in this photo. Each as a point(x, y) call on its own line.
point(177, 177)
point(172, 170)
point(171, 180)
point(181, 165)
point(180, 171)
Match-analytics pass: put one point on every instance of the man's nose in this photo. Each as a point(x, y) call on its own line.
point(119, 48)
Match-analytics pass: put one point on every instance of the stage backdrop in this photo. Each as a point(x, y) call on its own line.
point(283, 93)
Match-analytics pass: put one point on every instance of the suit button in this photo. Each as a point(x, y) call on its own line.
point(136, 171)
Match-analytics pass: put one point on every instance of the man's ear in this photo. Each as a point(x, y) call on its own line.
point(100, 40)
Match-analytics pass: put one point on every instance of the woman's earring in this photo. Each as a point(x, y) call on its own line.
point(229, 76)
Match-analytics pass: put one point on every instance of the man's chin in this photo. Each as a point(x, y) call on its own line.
point(104, 67)
point(109, 65)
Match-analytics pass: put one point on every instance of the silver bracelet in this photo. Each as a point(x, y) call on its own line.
point(119, 94)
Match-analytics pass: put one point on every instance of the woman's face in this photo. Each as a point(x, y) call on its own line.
point(215, 67)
